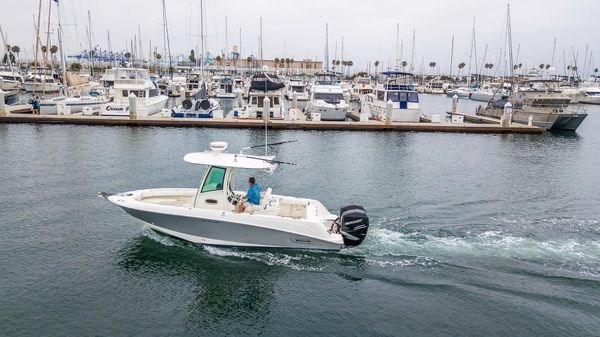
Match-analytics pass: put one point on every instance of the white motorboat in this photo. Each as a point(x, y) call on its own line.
point(263, 86)
point(41, 83)
point(75, 104)
point(225, 88)
point(207, 215)
point(297, 86)
point(360, 86)
point(327, 98)
point(10, 79)
point(398, 88)
point(134, 81)
point(437, 87)
point(589, 91)
point(197, 106)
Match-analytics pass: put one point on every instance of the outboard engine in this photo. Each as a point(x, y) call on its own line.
point(353, 224)
point(187, 104)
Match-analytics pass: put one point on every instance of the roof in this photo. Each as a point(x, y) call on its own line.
point(212, 158)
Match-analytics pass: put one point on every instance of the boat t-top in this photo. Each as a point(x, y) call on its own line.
point(207, 214)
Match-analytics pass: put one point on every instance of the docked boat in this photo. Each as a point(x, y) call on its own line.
point(207, 215)
point(360, 86)
point(129, 81)
point(491, 92)
point(397, 87)
point(549, 110)
point(11, 97)
point(10, 79)
point(263, 86)
point(75, 104)
point(327, 98)
point(297, 86)
point(436, 87)
point(589, 91)
point(225, 88)
point(42, 82)
point(197, 106)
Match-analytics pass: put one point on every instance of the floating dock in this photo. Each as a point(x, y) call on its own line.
point(18, 116)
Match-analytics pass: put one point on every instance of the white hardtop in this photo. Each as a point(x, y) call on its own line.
point(217, 158)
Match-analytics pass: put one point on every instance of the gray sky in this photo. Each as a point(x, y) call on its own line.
point(368, 27)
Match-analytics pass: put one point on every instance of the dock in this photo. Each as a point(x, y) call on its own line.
point(160, 121)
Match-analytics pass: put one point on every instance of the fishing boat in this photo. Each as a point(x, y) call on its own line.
point(129, 81)
point(397, 87)
point(207, 215)
point(197, 106)
point(327, 98)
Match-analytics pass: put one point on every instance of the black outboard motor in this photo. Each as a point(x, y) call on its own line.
point(353, 224)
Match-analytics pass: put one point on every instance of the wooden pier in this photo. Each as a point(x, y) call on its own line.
point(78, 119)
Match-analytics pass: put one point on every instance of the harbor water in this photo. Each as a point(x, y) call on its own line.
point(472, 235)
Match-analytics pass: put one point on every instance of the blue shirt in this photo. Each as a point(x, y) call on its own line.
point(254, 194)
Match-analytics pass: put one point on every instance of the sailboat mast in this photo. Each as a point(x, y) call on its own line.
point(226, 43)
point(510, 52)
point(166, 37)
point(327, 47)
point(261, 44)
point(202, 39)
point(451, 55)
point(90, 53)
point(553, 52)
point(397, 44)
point(412, 56)
point(37, 44)
point(60, 46)
point(47, 49)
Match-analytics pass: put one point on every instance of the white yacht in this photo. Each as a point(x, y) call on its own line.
point(264, 85)
point(327, 98)
point(589, 91)
point(136, 81)
point(490, 92)
point(42, 81)
point(437, 87)
point(207, 215)
point(11, 79)
point(361, 86)
point(398, 88)
point(296, 85)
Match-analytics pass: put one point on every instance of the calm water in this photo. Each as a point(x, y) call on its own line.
point(473, 235)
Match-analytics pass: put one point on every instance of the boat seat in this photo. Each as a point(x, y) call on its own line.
point(292, 208)
point(265, 199)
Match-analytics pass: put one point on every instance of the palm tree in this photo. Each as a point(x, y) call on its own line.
point(404, 64)
point(596, 70)
point(461, 65)
point(218, 59)
point(248, 61)
point(276, 61)
point(376, 66)
point(16, 50)
point(547, 66)
point(542, 66)
point(432, 65)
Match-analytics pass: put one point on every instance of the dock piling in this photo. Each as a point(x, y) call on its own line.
point(266, 108)
point(388, 110)
point(132, 106)
point(2, 105)
point(454, 103)
point(295, 100)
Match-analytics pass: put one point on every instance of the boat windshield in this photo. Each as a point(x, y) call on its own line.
point(298, 89)
point(214, 180)
point(403, 96)
point(329, 97)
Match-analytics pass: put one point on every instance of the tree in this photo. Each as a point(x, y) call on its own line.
point(276, 62)
point(542, 66)
point(248, 61)
point(76, 67)
point(376, 66)
point(192, 56)
point(596, 70)
point(16, 50)
point(404, 64)
point(128, 56)
point(547, 66)
point(218, 59)
point(432, 65)
point(44, 49)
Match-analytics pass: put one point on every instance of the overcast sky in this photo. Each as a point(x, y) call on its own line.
point(368, 27)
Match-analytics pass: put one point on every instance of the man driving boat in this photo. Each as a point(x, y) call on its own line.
point(252, 198)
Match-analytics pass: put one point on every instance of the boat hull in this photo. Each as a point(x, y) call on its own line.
point(225, 233)
point(149, 108)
